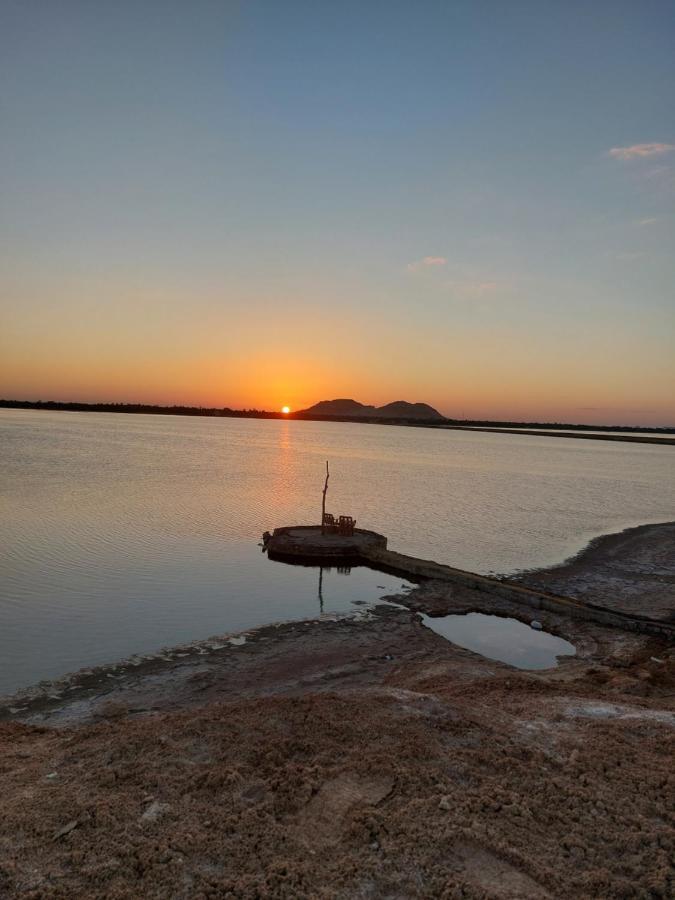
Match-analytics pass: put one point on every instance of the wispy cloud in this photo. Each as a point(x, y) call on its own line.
point(641, 223)
point(425, 262)
point(640, 151)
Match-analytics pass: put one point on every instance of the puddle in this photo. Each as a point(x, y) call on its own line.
point(504, 639)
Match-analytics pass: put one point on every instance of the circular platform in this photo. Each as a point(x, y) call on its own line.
point(305, 543)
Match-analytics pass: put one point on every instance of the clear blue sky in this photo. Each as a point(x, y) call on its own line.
point(260, 203)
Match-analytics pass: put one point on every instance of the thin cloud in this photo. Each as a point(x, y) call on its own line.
point(641, 223)
point(640, 151)
point(425, 262)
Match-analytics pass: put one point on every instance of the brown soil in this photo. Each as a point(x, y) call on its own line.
point(349, 759)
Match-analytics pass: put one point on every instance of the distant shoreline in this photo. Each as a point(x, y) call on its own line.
point(543, 429)
point(628, 438)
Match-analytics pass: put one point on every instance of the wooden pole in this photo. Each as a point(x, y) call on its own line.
point(323, 501)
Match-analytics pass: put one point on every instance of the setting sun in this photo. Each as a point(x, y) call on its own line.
point(285, 409)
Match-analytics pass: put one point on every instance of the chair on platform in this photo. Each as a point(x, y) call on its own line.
point(329, 525)
point(346, 525)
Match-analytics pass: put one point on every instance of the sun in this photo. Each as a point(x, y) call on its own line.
point(285, 410)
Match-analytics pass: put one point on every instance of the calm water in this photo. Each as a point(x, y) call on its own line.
point(506, 639)
point(122, 534)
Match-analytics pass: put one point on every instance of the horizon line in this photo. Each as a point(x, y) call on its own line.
point(253, 412)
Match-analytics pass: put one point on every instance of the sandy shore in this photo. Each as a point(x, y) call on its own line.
point(363, 757)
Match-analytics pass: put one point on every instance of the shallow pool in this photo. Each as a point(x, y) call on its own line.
point(503, 639)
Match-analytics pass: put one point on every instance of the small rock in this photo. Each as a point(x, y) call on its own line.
point(154, 811)
point(52, 775)
point(237, 641)
point(536, 625)
point(62, 832)
point(656, 660)
point(444, 803)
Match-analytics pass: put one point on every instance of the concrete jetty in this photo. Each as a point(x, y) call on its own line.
point(306, 545)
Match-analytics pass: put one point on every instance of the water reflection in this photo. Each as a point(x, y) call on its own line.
point(341, 570)
point(281, 476)
point(505, 639)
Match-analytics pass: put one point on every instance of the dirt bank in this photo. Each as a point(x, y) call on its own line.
point(632, 571)
point(364, 758)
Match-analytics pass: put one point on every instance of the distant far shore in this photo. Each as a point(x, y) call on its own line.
point(640, 434)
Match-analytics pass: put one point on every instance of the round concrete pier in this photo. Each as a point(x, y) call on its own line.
point(305, 543)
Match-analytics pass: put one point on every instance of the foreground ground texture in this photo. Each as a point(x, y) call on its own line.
point(365, 758)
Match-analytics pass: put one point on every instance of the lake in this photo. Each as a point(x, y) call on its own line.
point(122, 534)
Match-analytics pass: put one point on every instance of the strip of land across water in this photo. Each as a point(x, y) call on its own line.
point(629, 438)
point(631, 434)
point(362, 757)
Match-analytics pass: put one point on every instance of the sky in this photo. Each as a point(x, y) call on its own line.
point(252, 204)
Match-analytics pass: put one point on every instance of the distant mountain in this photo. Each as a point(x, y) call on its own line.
point(340, 408)
point(400, 409)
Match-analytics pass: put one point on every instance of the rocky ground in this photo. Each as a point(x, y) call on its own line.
point(364, 758)
point(632, 571)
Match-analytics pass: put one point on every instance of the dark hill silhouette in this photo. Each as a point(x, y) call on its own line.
point(340, 408)
point(400, 409)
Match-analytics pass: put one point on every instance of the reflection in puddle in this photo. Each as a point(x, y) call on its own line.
point(503, 639)
point(333, 591)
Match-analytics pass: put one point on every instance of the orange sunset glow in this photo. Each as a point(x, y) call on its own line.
point(415, 258)
point(337, 448)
